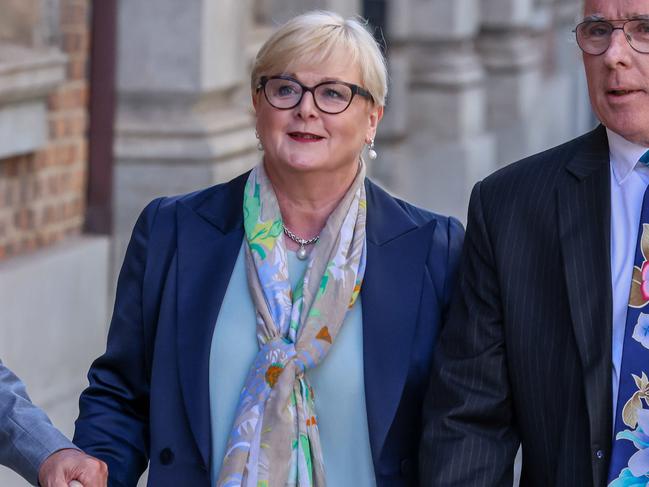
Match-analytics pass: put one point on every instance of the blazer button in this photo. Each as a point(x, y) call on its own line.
point(406, 467)
point(599, 454)
point(166, 456)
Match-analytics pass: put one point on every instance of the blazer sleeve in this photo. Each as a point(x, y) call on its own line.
point(113, 423)
point(469, 436)
point(27, 436)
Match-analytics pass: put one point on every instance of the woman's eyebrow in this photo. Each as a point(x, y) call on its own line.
point(324, 79)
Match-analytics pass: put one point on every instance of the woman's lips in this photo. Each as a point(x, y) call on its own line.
point(304, 137)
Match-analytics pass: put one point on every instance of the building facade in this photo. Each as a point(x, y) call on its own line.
point(53, 285)
point(474, 85)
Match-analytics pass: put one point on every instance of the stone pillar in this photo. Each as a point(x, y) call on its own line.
point(445, 146)
point(536, 91)
point(277, 12)
point(565, 74)
point(391, 137)
point(184, 118)
point(512, 49)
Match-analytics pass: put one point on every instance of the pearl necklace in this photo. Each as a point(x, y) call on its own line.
point(301, 253)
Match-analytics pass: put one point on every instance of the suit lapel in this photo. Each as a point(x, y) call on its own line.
point(210, 233)
point(391, 293)
point(584, 232)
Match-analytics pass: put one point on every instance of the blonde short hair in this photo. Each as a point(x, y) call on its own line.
point(317, 36)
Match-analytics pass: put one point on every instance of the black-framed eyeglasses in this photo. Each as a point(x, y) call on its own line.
point(284, 92)
point(594, 36)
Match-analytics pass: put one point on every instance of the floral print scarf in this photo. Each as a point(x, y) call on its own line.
point(274, 440)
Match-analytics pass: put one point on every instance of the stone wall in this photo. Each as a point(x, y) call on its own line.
point(43, 121)
point(474, 85)
point(53, 281)
point(53, 310)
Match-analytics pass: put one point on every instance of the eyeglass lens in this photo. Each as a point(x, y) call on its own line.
point(594, 37)
point(330, 97)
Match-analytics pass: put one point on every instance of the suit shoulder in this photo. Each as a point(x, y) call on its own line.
point(195, 198)
point(164, 207)
point(447, 232)
point(542, 164)
point(446, 227)
point(446, 236)
point(419, 216)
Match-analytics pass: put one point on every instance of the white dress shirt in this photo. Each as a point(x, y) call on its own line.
point(629, 179)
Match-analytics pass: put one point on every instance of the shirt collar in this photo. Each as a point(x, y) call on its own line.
point(624, 156)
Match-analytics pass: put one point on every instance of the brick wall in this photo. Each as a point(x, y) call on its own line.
point(42, 195)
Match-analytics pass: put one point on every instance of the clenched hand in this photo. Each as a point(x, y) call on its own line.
point(66, 465)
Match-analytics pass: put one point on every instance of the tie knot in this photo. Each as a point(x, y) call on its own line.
point(644, 159)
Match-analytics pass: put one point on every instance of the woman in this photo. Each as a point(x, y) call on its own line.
point(332, 289)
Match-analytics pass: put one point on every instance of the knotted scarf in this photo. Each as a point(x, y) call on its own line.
point(274, 440)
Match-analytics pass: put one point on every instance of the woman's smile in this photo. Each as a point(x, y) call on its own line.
point(305, 137)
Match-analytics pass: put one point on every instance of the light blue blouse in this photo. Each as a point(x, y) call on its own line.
point(337, 382)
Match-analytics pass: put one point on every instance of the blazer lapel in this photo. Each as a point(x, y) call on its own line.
point(209, 238)
point(584, 232)
point(210, 233)
point(391, 293)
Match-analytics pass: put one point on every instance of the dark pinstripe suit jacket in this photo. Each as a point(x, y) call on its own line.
point(526, 353)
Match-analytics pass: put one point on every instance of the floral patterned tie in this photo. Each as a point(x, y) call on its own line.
point(630, 456)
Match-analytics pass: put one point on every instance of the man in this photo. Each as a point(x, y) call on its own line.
point(35, 449)
point(542, 338)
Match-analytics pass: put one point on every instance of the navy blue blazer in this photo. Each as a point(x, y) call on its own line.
point(148, 398)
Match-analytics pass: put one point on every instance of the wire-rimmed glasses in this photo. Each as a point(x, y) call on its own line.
point(594, 36)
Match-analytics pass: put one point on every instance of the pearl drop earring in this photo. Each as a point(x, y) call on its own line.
point(260, 147)
point(371, 152)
